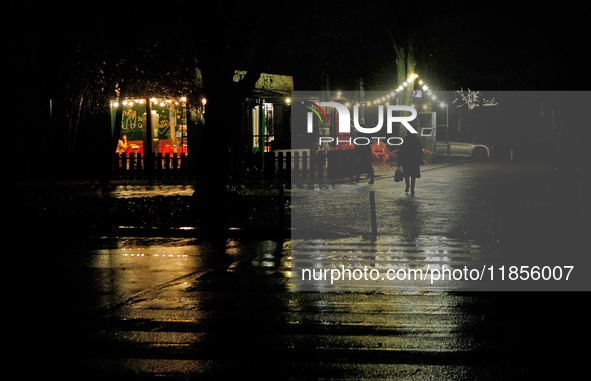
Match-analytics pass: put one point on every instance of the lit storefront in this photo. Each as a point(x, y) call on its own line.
point(265, 125)
point(168, 121)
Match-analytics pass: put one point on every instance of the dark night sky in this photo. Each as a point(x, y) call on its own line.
point(510, 48)
point(492, 47)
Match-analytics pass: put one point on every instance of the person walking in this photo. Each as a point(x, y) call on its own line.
point(410, 158)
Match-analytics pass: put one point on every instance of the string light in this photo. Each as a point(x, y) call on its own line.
point(132, 102)
point(405, 84)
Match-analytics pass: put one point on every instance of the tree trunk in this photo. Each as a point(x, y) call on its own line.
point(109, 150)
point(405, 66)
point(227, 49)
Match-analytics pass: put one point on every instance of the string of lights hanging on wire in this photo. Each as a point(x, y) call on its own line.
point(154, 101)
point(471, 100)
point(392, 95)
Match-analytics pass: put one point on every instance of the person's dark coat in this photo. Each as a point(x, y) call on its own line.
point(410, 156)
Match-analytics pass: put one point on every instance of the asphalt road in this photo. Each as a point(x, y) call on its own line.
point(135, 308)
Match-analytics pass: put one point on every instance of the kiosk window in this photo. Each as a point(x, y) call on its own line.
point(426, 132)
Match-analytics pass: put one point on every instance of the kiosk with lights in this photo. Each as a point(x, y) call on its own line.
point(168, 125)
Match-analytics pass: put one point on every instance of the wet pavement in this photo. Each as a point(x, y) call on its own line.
point(485, 200)
point(475, 214)
point(240, 320)
point(221, 308)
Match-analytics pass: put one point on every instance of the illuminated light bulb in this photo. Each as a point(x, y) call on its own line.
point(141, 101)
point(425, 87)
point(347, 104)
point(161, 104)
point(392, 93)
point(420, 82)
point(115, 104)
point(433, 97)
point(383, 98)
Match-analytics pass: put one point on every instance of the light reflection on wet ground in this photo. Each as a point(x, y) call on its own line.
point(239, 317)
point(251, 307)
point(131, 191)
point(97, 273)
